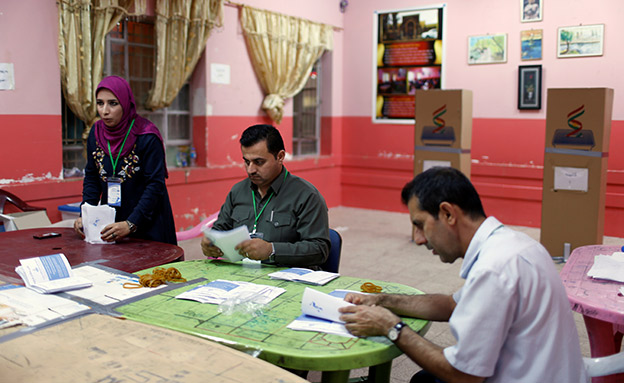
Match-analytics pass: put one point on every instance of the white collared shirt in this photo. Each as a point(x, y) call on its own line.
point(513, 321)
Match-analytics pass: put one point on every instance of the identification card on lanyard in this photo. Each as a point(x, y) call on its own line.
point(114, 191)
point(114, 183)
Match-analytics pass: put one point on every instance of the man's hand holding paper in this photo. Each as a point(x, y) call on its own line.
point(217, 244)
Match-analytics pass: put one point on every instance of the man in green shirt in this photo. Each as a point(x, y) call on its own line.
point(286, 216)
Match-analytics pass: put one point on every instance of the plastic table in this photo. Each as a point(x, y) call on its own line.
point(128, 254)
point(598, 301)
point(266, 335)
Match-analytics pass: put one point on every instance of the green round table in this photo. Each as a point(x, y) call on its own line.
point(266, 335)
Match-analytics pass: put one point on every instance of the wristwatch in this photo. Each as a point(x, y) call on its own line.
point(394, 332)
point(272, 255)
point(131, 226)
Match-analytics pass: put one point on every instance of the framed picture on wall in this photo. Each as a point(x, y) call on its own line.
point(531, 44)
point(487, 49)
point(530, 10)
point(409, 46)
point(530, 87)
point(581, 40)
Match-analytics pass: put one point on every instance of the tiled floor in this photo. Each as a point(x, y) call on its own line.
point(377, 245)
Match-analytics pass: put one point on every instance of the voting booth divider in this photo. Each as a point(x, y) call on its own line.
point(443, 130)
point(578, 128)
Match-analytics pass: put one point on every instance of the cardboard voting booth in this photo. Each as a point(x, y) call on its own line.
point(578, 127)
point(443, 129)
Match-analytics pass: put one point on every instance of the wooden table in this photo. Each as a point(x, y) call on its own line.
point(598, 301)
point(98, 348)
point(266, 335)
point(128, 255)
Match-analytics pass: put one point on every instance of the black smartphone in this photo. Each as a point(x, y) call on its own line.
point(46, 235)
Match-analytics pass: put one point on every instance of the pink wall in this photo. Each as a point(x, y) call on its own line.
point(363, 164)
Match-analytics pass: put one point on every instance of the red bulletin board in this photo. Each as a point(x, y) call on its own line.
point(409, 50)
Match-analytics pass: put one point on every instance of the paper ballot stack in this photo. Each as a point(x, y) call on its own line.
point(49, 274)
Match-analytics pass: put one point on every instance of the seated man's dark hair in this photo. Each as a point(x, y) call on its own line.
point(440, 184)
point(262, 132)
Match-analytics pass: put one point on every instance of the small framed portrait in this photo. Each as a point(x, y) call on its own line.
point(580, 41)
point(530, 87)
point(531, 10)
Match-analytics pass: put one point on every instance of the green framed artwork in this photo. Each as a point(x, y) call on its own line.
point(581, 40)
point(487, 49)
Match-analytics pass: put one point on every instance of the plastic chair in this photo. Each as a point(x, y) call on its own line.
point(5, 197)
point(197, 230)
point(603, 366)
point(333, 260)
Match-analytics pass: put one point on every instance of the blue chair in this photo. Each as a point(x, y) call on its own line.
point(333, 260)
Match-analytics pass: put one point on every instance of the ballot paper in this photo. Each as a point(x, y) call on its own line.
point(297, 274)
point(94, 220)
point(219, 291)
point(33, 308)
point(49, 274)
point(227, 240)
point(609, 267)
point(108, 287)
point(320, 313)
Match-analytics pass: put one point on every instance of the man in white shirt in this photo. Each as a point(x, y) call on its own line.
point(511, 320)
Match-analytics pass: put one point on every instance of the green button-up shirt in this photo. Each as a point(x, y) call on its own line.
point(295, 218)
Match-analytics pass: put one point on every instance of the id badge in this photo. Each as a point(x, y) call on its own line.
point(114, 191)
point(256, 235)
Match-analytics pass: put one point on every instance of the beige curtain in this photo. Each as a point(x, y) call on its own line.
point(83, 25)
point(182, 29)
point(283, 50)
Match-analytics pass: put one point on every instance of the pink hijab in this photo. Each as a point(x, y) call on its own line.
point(115, 135)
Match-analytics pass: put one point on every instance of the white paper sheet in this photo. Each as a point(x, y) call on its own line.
point(34, 308)
point(567, 178)
point(227, 240)
point(94, 219)
point(609, 267)
point(49, 274)
point(317, 304)
point(297, 274)
point(219, 291)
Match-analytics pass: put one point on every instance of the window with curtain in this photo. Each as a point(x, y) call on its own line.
point(130, 53)
point(307, 116)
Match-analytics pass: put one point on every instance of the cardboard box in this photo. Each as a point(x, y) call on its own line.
point(25, 220)
point(578, 128)
point(443, 129)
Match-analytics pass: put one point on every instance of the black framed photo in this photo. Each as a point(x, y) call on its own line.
point(530, 87)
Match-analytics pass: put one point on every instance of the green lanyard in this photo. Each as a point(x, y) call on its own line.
point(110, 153)
point(256, 214)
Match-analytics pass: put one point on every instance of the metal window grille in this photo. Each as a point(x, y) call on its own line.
point(130, 53)
point(307, 116)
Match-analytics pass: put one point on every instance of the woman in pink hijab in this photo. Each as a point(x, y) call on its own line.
point(126, 168)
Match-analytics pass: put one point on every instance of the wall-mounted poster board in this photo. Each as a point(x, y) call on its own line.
point(409, 46)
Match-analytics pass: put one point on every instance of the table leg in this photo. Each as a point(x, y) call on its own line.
point(380, 373)
point(341, 376)
point(603, 341)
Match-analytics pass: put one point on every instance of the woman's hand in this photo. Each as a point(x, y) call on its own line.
point(78, 227)
point(115, 231)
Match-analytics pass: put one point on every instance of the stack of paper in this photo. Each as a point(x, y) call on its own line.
point(296, 274)
point(227, 240)
point(49, 274)
point(320, 313)
point(608, 267)
point(32, 308)
point(219, 291)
